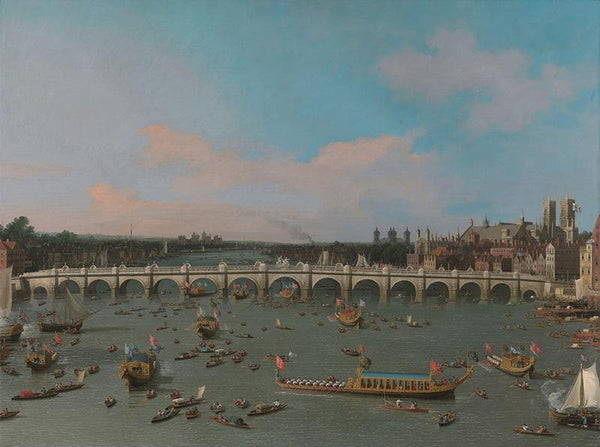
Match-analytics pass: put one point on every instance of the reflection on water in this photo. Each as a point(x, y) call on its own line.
point(80, 417)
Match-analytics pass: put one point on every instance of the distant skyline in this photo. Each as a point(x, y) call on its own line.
point(277, 121)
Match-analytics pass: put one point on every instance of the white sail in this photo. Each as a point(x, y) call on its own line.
point(81, 376)
point(5, 292)
point(200, 393)
point(579, 289)
point(277, 322)
point(409, 319)
point(73, 309)
point(585, 391)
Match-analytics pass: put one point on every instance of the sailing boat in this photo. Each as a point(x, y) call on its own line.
point(181, 402)
point(70, 319)
point(581, 408)
point(138, 367)
point(278, 325)
point(7, 331)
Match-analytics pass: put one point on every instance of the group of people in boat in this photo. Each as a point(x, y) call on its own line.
point(541, 429)
point(311, 382)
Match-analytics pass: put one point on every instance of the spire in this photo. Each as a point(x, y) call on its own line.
point(522, 220)
point(486, 222)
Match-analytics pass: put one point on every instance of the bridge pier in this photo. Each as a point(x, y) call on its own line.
point(419, 295)
point(453, 295)
point(345, 295)
point(383, 295)
point(304, 292)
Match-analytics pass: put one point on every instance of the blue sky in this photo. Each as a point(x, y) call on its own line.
point(251, 119)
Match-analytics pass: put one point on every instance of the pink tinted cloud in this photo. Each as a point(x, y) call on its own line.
point(15, 170)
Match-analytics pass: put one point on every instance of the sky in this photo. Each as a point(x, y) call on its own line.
point(284, 121)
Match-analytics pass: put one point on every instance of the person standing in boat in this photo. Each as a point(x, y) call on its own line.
point(398, 402)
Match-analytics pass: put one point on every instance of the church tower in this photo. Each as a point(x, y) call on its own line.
point(376, 235)
point(407, 236)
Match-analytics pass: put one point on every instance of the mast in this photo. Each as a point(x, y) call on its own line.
point(581, 394)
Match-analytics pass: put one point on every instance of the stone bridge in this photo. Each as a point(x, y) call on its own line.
point(411, 283)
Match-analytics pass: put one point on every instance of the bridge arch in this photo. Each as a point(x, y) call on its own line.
point(438, 292)
point(529, 295)
point(244, 282)
point(166, 287)
point(41, 292)
point(94, 289)
point(327, 289)
point(73, 286)
point(500, 293)
point(404, 291)
point(131, 286)
point(366, 289)
point(284, 282)
point(209, 284)
point(469, 292)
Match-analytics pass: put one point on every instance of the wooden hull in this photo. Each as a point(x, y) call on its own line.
point(11, 332)
point(230, 424)
point(413, 410)
point(206, 328)
point(351, 320)
point(8, 415)
point(448, 422)
point(171, 415)
point(266, 411)
point(569, 418)
point(449, 393)
point(61, 327)
point(197, 291)
point(527, 432)
point(511, 370)
point(66, 388)
point(240, 294)
point(137, 373)
point(35, 396)
point(41, 366)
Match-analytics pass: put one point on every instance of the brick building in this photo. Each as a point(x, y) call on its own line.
point(11, 254)
point(596, 256)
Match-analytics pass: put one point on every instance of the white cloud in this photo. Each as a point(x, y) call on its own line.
point(506, 95)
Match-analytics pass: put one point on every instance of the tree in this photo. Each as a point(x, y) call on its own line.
point(18, 230)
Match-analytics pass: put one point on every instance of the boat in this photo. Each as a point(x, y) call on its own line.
point(523, 385)
point(163, 415)
point(60, 388)
point(138, 367)
point(214, 361)
point(533, 432)
point(286, 293)
point(414, 408)
point(59, 373)
point(481, 393)
point(446, 419)
point(239, 422)
point(8, 414)
point(581, 407)
point(180, 402)
point(39, 361)
point(512, 363)
point(349, 317)
point(261, 409)
point(11, 371)
point(246, 335)
point(350, 351)
point(412, 323)
point(10, 331)
point(110, 401)
point(283, 357)
point(93, 369)
point(278, 325)
point(241, 403)
point(196, 291)
point(75, 341)
point(192, 413)
point(151, 394)
point(217, 407)
point(186, 355)
point(112, 348)
point(253, 366)
point(240, 294)
point(30, 394)
point(237, 358)
point(69, 318)
point(206, 326)
point(381, 383)
point(573, 346)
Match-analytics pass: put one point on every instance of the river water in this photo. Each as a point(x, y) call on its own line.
point(80, 417)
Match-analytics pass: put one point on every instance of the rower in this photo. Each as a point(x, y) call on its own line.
point(398, 402)
point(5, 412)
point(413, 405)
point(525, 427)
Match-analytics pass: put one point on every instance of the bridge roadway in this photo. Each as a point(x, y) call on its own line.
point(307, 276)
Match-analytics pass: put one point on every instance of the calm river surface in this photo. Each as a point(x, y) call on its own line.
point(80, 418)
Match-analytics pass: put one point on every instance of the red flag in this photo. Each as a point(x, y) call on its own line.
point(295, 286)
point(236, 286)
point(434, 366)
point(280, 364)
point(47, 348)
point(153, 341)
point(535, 348)
point(361, 348)
point(187, 285)
point(247, 285)
point(338, 302)
point(488, 348)
point(57, 339)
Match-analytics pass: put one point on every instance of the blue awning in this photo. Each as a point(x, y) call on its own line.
point(378, 375)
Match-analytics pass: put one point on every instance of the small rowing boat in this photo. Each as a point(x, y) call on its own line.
point(8, 414)
point(29, 394)
point(163, 415)
point(533, 432)
point(261, 409)
point(481, 393)
point(446, 419)
point(409, 408)
point(239, 422)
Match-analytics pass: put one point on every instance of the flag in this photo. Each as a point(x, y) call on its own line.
point(199, 312)
point(153, 341)
point(435, 367)
point(488, 348)
point(57, 339)
point(188, 285)
point(361, 303)
point(236, 286)
point(584, 358)
point(47, 348)
point(279, 363)
point(247, 285)
point(535, 348)
point(295, 286)
point(338, 302)
point(576, 208)
point(361, 348)
point(23, 316)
